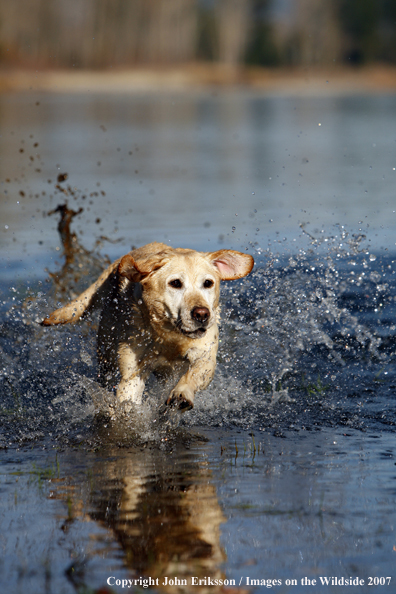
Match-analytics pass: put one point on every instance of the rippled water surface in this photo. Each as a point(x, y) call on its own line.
point(285, 468)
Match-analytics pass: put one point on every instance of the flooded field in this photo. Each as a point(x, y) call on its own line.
point(283, 474)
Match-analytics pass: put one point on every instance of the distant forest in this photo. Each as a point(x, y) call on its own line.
point(94, 34)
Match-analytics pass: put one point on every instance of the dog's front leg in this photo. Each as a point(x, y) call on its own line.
point(133, 378)
point(198, 377)
point(135, 367)
point(131, 389)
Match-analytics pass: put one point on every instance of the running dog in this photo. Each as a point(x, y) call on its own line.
point(160, 313)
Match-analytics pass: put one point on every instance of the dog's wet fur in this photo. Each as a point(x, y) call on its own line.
point(160, 313)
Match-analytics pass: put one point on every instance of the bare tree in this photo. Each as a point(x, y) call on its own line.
point(97, 33)
point(316, 35)
point(233, 18)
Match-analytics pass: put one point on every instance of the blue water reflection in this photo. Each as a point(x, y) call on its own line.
point(188, 168)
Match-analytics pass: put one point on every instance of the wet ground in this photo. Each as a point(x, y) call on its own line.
point(284, 471)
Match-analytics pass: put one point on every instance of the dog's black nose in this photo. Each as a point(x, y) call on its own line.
point(201, 314)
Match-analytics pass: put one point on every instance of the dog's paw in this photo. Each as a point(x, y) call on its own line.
point(181, 398)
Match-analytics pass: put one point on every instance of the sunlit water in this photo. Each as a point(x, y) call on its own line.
point(297, 476)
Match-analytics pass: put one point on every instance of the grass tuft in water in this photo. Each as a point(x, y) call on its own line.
point(318, 389)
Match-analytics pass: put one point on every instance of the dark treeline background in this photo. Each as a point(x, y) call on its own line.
point(127, 33)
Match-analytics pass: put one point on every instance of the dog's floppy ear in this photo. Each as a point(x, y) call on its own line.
point(141, 262)
point(128, 268)
point(231, 264)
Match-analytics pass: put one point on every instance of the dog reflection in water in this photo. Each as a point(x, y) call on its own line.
point(160, 313)
point(161, 508)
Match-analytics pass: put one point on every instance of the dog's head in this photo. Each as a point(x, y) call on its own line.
point(181, 288)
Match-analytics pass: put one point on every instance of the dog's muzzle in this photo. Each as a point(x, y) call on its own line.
point(200, 317)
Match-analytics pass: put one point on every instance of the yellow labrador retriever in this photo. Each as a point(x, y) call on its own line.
point(160, 310)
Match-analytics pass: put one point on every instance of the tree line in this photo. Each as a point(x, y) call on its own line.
point(129, 33)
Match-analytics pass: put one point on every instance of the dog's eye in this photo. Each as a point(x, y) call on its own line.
point(208, 283)
point(176, 283)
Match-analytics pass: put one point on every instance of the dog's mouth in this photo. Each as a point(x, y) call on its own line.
point(194, 333)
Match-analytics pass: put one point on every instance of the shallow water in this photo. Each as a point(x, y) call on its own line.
point(314, 504)
point(285, 468)
point(189, 168)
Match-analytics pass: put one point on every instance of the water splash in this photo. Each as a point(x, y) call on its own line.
point(300, 335)
point(319, 324)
